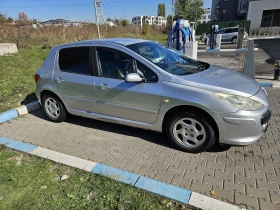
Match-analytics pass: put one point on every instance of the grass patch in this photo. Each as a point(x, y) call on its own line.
point(17, 76)
point(28, 182)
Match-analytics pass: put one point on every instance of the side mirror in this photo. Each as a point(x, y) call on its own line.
point(133, 77)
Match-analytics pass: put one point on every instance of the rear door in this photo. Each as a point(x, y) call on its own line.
point(133, 101)
point(74, 80)
point(227, 35)
point(234, 33)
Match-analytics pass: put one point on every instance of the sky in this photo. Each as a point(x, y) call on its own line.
point(83, 10)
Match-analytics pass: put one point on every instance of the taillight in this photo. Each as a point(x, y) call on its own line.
point(36, 77)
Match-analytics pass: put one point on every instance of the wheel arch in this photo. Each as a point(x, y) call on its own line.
point(235, 37)
point(44, 92)
point(193, 109)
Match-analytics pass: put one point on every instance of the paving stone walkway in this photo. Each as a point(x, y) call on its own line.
point(246, 176)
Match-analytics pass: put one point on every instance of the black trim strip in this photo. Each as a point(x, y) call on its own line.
point(266, 117)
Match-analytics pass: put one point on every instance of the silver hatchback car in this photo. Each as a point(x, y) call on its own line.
point(143, 84)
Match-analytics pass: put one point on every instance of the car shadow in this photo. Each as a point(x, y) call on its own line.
point(146, 135)
point(28, 99)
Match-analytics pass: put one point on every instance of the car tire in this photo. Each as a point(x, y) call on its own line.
point(192, 128)
point(234, 40)
point(54, 108)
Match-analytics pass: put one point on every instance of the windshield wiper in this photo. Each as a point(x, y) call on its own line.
point(199, 69)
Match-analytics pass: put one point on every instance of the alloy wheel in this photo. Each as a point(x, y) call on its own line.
point(52, 108)
point(189, 132)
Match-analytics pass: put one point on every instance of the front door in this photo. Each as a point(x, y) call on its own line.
point(74, 80)
point(133, 101)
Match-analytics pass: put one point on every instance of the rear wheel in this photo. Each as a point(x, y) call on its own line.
point(53, 108)
point(190, 132)
point(234, 40)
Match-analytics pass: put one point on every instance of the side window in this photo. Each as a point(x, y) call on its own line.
point(114, 64)
point(74, 60)
point(235, 30)
point(228, 30)
point(221, 31)
point(146, 73)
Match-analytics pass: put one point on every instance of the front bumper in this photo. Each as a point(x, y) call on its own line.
point(242, 128)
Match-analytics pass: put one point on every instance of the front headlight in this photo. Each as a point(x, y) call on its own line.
point(240, 102)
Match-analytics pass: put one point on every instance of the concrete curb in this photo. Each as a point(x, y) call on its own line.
point(225, 50)
point(266, 37)
point(268, 82)
point(176, 193)
point(22, 110)
point(25, 109)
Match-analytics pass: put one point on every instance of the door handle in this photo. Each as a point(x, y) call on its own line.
point(104, 86)
point(59, 80)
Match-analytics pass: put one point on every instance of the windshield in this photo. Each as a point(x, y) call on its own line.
point(168, 59)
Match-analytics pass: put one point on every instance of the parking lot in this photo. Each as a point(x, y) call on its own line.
point(246, 176)
point(267, 51)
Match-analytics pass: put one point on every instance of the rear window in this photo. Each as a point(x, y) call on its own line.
point(74, 60)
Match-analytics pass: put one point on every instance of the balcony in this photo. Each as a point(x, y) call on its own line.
point(242, 12)
point(243, 9)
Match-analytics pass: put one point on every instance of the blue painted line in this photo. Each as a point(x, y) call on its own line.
point(8, 115)
point(214, 50)
point(4, 140)
point(265, 84)
point(17, 145)
point(114, 173)
point(163, 189)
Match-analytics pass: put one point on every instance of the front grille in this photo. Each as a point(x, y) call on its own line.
point(266, 117)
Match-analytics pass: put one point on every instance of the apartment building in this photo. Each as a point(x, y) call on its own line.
point(206, 17)
point(264, 13)
point(158, 21)
point(224, 10)
point(261, 13)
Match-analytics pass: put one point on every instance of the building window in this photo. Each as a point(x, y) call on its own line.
point(209, 16)
point(270, 18)
point(224, 11)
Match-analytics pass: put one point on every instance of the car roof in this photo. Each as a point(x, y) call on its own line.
point(121, 41)
point(230, 27)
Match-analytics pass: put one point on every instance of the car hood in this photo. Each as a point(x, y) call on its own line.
point(218, 79)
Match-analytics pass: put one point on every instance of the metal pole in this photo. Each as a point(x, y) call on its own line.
point(249, 66)
point(96, 19)
point(173, 8)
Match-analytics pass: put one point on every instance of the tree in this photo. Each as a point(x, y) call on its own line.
point(109, 19)
point(2, 18)
point(161, 10)
point(191, 10)
point(22, 17)
point(169, 21)
point(10, 20)
point(125, 22)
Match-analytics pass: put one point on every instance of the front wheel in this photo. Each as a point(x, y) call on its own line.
point(190, 132)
